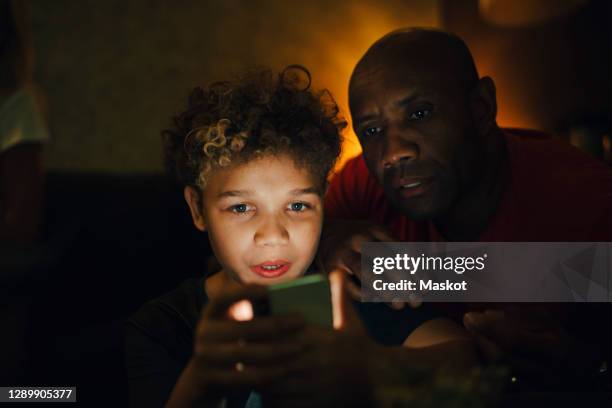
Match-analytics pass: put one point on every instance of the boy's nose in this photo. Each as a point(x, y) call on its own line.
point(271, 232)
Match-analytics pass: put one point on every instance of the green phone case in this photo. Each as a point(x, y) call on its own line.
point(309, 295)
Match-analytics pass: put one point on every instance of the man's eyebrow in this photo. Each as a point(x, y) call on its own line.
point(407, 100)
point(302, 191)
point(403, 102)
point(364, 118)
point(235, 193)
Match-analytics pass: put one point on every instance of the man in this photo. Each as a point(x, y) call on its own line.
point(437, 167)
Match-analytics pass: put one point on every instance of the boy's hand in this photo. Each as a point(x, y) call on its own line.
point(230, 354)
point(335, 367)
point(333, 371)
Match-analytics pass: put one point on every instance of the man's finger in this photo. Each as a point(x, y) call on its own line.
point(381, 234)
point(397, 304)
point(348, 261)
point(357, 240)
point(353, 264)
point(415, 301)
point(371, 235)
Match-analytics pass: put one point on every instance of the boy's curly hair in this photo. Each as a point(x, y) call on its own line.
point(255, 115)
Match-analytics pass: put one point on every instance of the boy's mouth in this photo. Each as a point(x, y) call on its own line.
point(271, 269)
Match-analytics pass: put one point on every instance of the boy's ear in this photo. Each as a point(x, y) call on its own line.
point(192, 196)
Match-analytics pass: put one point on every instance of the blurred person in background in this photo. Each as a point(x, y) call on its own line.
point(22, 129)
point(22, 133)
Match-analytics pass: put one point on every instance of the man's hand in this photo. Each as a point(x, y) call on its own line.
point(340, 247)
point(530, 339)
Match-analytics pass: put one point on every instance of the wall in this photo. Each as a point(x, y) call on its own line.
point(115, 71)
point(550, 76)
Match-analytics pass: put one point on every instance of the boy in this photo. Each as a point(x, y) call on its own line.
point(254, 156)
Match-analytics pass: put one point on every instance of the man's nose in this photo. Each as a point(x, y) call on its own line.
point(271, 232)
point(398, 148)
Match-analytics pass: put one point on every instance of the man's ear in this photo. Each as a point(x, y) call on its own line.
point(483, 105)
point(193, 198)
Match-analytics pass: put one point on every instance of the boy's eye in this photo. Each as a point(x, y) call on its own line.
point(419, 114)
point(240, 208)
point(298, 207)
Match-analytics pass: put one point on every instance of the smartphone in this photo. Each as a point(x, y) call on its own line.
point(309, 295)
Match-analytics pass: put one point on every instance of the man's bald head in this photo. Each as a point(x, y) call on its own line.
point(422, 116)
point(442, 55)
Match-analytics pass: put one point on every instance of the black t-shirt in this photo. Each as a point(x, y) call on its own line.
point(159, 339)
point(159, 343)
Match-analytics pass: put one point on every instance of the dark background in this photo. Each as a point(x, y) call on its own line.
point(117, 233)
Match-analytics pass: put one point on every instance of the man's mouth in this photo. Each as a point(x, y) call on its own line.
point(409, 188)
point(271, 269)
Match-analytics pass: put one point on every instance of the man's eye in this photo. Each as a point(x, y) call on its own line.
point(419, 114)
point(298, 207)
point(371, 131)
point(240, 208)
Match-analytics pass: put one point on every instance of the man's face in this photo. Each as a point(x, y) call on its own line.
point(264, 219)
point(417, 137)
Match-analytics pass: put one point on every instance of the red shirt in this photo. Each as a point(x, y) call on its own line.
point(555, 193)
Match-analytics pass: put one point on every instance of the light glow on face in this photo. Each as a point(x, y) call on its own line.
point(264, 219)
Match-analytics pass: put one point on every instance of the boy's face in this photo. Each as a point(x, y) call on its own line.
point(263, 218)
